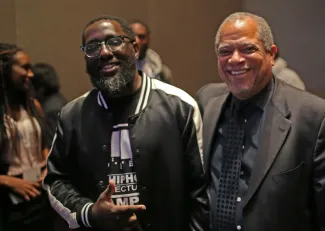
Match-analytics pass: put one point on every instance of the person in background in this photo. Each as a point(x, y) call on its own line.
point(149, 61)
point(283, 72)
point(23, 154)
point(47, 90)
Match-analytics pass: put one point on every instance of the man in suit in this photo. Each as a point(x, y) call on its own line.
point(264, 141)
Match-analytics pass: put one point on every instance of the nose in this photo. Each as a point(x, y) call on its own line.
point(30, 73)
point(236, 57)
point(105, 51)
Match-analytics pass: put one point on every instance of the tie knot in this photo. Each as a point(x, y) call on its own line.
point(237, 108)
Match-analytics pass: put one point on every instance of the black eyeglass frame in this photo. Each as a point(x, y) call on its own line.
point(123, 37)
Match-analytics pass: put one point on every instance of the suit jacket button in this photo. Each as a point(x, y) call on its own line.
point(101, 187)
point(105, 148)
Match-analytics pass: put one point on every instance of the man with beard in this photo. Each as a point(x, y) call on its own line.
point(149, 61)
point(126, 155)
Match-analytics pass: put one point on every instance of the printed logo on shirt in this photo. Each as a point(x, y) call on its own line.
point(126, 192)
point(121, 167)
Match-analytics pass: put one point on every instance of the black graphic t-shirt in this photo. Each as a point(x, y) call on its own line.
point(120, 167)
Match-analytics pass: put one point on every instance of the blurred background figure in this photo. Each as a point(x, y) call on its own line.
point(47, 91)
point(22, 151)
point(149, 61)
point(283, 72)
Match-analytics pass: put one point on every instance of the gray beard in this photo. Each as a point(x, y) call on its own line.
point(114, 86)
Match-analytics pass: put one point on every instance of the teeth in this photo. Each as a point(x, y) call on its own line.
point(238, 72)
point(109, 65)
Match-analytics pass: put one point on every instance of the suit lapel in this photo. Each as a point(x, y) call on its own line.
point(210, 120)
point(274, 132)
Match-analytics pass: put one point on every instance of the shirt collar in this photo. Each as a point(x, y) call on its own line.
point(260, 100)
point(143, 99)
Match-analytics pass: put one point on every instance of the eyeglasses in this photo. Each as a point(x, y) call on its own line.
point(115, 43)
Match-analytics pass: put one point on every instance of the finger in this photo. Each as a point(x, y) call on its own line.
point(40, 180)
point(109, 191)
point(31, 193)
point(34, 191)
point(129, 208)
point(127, 222)
point(37, 184)
point(130, 223)
point(133, 219)
point(126, 218)
point(25, 195)
point(42, 176)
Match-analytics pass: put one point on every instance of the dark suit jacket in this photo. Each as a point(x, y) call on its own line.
point(287, 187)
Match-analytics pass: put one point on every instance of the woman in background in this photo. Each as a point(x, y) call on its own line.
point(22, 157)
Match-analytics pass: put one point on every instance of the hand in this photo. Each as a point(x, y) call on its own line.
point(43, 174)
point(107, 215)
point(23, 188)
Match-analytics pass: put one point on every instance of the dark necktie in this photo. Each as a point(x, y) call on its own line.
point(229, 177)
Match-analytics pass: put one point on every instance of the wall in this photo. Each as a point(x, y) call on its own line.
point(182, 32)
point(185, 38)
point(298, 26)
point(7, 21)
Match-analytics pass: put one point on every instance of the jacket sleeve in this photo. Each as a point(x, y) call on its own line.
point(192, 139)
point(319, 179)
point(63, 196)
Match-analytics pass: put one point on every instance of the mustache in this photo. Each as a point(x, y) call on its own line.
point(113, 85)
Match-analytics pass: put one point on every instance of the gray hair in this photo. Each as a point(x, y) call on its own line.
point(263, 29)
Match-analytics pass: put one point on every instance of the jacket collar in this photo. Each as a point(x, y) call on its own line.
point(143, 99)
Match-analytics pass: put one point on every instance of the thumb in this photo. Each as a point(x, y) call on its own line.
point(109, 191)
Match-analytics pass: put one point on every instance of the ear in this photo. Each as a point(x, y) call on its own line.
point(273, 51)
point(136, 49)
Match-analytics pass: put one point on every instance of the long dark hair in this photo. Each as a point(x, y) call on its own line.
point(7, 53)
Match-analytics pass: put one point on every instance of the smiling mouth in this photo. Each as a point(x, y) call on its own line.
point(239, 72)
point(109, 68)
